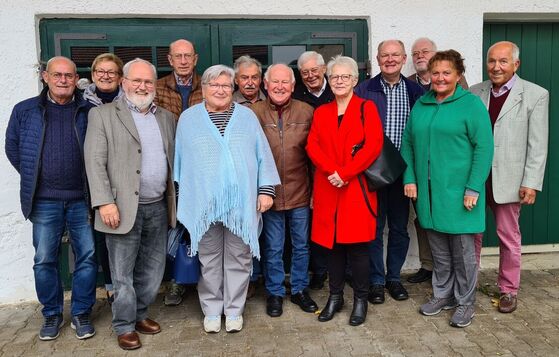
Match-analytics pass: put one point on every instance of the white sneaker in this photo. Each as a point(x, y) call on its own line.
point(233, 323)
point(212, 324)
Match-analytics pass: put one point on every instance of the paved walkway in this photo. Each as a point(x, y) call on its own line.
point(391, 329)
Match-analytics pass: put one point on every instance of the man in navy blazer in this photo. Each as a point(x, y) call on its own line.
point(519, 115)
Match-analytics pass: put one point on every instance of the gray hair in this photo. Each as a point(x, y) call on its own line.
point(57, 58)
point(433, 44)
point(307, 56)
point(217, 70)
point(267, 74)
point(127, 66)
point(340, 60)
point(394, 40)
point(247, 61)
point(515, 49)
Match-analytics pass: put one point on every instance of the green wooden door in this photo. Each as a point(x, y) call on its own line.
point(539, 49)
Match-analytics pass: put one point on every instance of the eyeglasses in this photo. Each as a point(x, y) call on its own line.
point(101, 73)
point(58, 76)
point(216, 86)
point(422, 52)
point(138, 82)
point(343, 77)
point(307, 72)
point(186, 56)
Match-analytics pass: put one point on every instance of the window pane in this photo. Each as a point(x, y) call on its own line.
point(259, 52)
point(328, 51)
point(287, 54)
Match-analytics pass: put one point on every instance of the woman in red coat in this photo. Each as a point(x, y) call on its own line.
point(341, 220)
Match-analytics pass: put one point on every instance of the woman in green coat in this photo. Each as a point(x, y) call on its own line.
point(448, 146)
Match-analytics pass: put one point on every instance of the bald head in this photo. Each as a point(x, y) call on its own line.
point(502, 63)
point(61, 78)
point(183, 58)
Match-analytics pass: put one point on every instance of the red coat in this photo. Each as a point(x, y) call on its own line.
point(342, 212)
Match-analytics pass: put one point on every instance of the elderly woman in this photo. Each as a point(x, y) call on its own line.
point(448, 146)
point(227, 174)
point(342, 222)
point(106, 73)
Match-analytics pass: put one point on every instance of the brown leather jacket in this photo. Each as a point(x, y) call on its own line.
point(288, 141)
point(167, 96)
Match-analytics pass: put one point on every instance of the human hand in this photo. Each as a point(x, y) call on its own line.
point(410, 190)
point(527, 195)
point(265, 202)
point(470, 202)
point(110, 215)
point(336, 180)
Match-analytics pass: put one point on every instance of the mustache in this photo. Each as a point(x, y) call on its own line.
point(249, 86)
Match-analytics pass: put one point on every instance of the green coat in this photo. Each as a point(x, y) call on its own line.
point(452, 144)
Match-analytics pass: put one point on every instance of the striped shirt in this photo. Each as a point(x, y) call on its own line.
point(221, 120)
point(397, 110)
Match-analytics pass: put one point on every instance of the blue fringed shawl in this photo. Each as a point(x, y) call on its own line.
point(219, 176)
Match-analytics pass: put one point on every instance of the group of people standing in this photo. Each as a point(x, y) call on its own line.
point(248, 164)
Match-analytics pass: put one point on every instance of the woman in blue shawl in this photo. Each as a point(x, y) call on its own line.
point(226, 172)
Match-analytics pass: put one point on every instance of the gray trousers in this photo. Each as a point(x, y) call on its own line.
point(137, 261)
point(225, 263)
point(454, 266)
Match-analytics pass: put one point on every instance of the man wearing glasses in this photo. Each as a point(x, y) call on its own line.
point(182, 88)
point(44, 143)
point(394, 96)
point(129, 150)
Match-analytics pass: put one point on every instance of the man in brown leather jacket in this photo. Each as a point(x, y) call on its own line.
point(182, 88)
point(286, 123)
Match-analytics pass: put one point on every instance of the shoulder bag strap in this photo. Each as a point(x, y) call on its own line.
point(360, 176)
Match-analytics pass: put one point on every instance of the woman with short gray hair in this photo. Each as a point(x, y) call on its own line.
point(227, 174)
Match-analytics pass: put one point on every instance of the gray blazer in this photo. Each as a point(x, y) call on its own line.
point(113, 160)
point(521, 136)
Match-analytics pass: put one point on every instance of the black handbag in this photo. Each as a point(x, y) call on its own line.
point(386, 168)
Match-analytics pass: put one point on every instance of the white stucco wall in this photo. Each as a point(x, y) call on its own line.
point(456, 24)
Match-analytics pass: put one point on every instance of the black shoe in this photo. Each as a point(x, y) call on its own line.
point(304, 301)
point(274, 305)
point(376, 294)
point(334, 304)
point(421, 276)
point(317, 281)
point(397, 290)
point(359, 312)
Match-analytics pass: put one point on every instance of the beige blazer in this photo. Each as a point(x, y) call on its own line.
point(521, 136)
point(113, 157)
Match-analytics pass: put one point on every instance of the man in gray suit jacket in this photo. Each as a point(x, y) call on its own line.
point(519, 114)
point(129, 150)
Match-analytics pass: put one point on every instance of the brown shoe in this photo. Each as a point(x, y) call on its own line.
point(129, 341)
point(507, 303)
point(148, 327)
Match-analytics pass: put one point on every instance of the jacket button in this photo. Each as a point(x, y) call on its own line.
point(136, 193)
point(139, 151)
point(138, 172)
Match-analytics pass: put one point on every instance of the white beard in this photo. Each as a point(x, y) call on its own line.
point(141, 101)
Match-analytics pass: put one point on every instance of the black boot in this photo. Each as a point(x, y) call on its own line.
point(359, 312)
point(334, 304)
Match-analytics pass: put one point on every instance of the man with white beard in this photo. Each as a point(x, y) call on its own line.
point(129, 153)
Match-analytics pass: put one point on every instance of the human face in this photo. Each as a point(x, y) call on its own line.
point(444, 78)
point(500, 64)
point(218, 94)
point(183, 58)
point(422, 51)
point(391, 58)
point(139, 85)
point(312, 74)
point(341, 84)
point(106, 76)
point(61, 78)
point(279, 84)
point(248, 78)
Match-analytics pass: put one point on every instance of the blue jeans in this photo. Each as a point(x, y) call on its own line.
point(394, 207)
point(274, 238)
point(49, 219)
point(137, 261)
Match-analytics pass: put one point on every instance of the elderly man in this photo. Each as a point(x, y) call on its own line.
point(519, 115)
point(286, 123)
point(394, 96)
point(129, 150)
point(176, 92)
point(53, 193)
point(422, 51)
point(314, 90)
point(248, 76)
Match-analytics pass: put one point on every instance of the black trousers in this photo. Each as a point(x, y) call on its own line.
point(357, 255)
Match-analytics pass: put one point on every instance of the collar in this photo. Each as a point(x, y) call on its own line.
point(49, 98)
point(320, 91)
point(385, 84)
point(419, 80)
point(181, 82)
point(505, 87)
point(152, 108)
point(241, 99)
